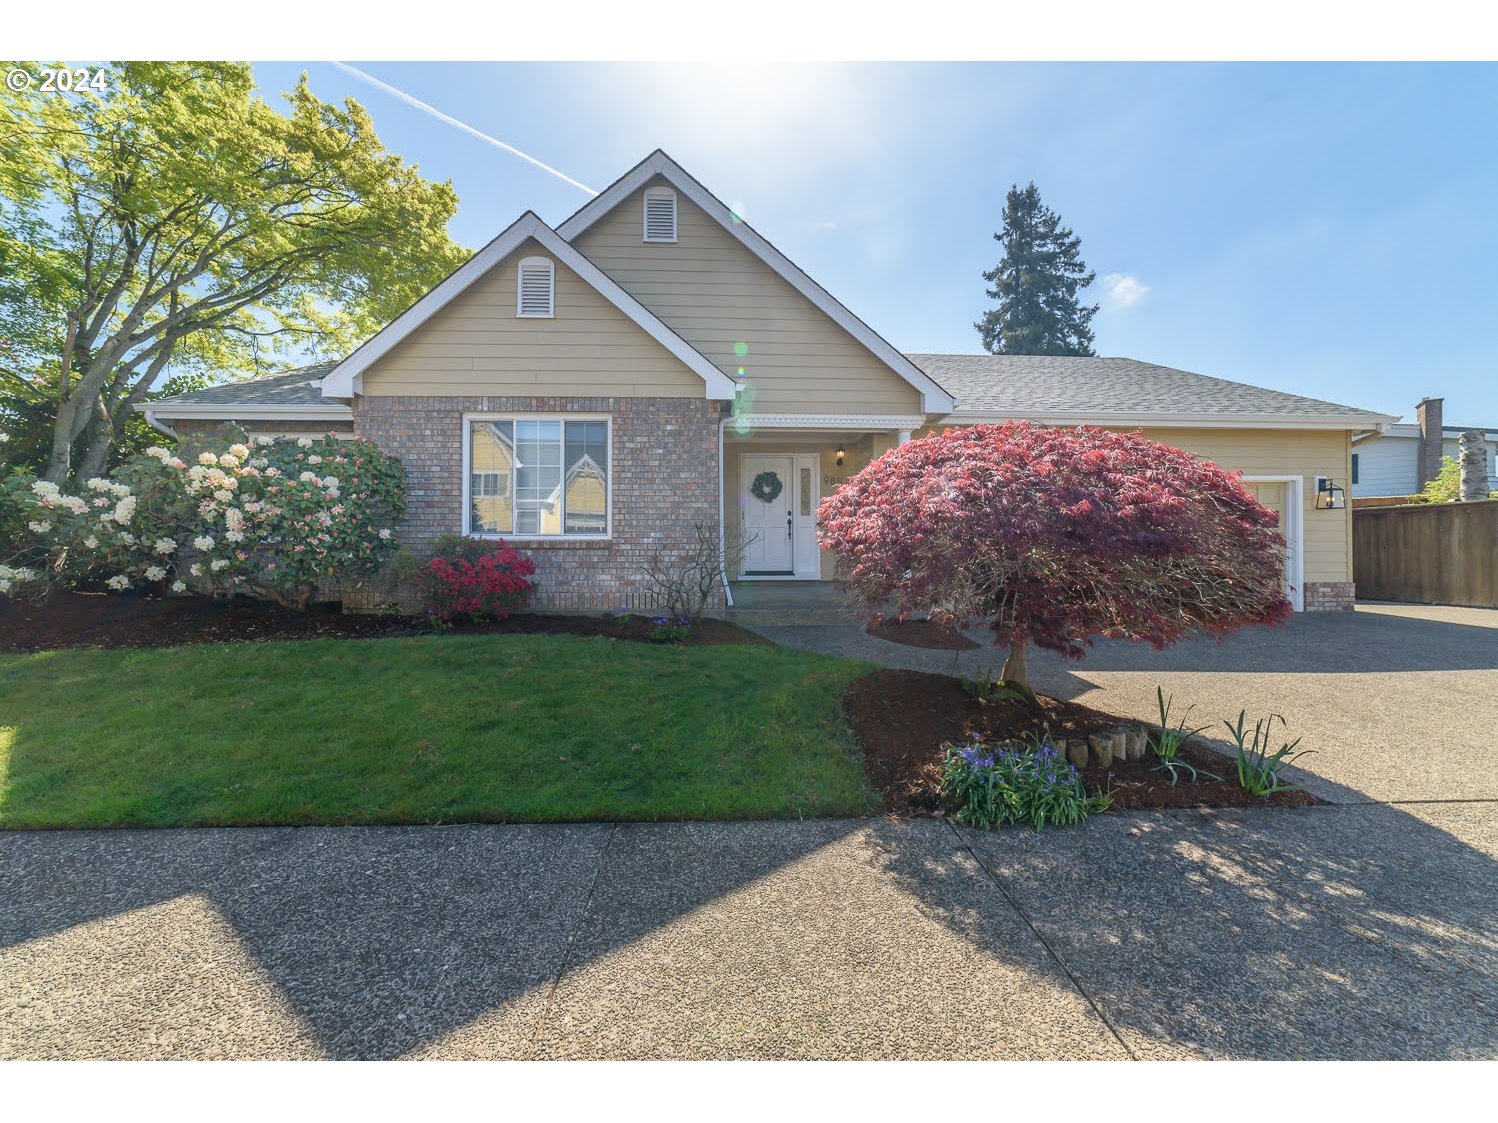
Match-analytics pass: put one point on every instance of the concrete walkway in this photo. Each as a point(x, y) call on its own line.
point(1367, 928)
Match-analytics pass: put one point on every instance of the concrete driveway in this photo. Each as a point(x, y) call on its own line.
point(1366, 928)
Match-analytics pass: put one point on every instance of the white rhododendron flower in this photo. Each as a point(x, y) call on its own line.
point(126, 537)
point(207, 458)
point(241, 451)
point(119, 490)
point(304, 442)
point(233, 536)
point(307, 478)
point(331, 482)
point(118, 581)
point(262, 440)
point(97, 484)
point(314, 459)
point(91, 542)
point(75, 505)
point(228, 461)
point(101, 502)
point(179, 586)
point(39, 528)
point(203, 542)
point(217, 564)
point(165, 545)
point(124, 509)
point(273, 472)
point(176, 462)
point(195, 569)
point(385, 533)
point(154, 573)
point(156, 452)
point(223, 495)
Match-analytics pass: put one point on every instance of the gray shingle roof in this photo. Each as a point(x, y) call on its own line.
point(1036, 385)
point(298, 387)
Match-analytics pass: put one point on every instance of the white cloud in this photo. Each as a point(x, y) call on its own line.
point(1120, 290)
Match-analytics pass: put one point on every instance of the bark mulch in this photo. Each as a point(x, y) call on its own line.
point(905, 720)
point(922, 633)
point(109, 620)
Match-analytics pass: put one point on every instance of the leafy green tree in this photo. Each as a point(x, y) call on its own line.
point(1036, 284)
point(178, 226)
point(1447, 486)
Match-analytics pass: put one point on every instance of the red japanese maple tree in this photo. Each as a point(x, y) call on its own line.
point(1056, 536)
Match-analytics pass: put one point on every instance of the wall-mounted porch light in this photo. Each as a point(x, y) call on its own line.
point(841, 454)
point(1329, 497)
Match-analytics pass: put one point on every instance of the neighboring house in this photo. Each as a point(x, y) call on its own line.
point(589, 392)
point(1400, 459)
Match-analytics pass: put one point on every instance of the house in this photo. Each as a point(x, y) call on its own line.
point(590, 391)
point(1401, 459)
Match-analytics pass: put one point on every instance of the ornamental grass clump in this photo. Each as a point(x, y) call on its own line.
point(1258, 768)
point(1029, 783)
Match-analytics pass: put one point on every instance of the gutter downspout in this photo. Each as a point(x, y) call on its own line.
point(722, 525)
point(165, 431)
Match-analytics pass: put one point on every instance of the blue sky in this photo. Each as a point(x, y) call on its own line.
point(1326, 229)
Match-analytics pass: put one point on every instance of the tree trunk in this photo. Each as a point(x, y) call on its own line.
point(1017, 666)
point(97, 454)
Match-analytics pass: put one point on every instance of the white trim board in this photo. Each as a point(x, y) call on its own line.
point(344, 380)
point(933, 398)
point(246, 411)
point(1295, 515)
point(758, 421)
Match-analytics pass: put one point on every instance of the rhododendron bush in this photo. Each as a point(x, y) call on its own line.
point(273, 517)
point(1056, 536)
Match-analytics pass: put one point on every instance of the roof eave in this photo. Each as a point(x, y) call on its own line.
point(245, 411)
point(1359, 421)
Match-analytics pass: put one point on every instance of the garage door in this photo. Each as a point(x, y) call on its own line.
point(1272, 495)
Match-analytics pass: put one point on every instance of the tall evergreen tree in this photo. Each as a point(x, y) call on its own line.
point(1036, 284)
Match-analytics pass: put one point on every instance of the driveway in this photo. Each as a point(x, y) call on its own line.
point(1364, 928)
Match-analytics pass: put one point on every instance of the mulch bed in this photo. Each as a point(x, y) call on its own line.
point(922, 633)
point(904, 720)
point(109, 620)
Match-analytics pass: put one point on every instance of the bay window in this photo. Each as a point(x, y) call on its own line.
point(537, 477)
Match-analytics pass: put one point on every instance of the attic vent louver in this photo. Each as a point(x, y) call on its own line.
point(533, 293)
point(660, 214)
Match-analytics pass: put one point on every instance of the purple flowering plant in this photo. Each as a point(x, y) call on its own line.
point(1026, 783)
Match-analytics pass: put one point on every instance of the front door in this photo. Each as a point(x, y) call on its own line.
point(768, 503)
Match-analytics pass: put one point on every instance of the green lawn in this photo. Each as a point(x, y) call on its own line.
point(418, 730)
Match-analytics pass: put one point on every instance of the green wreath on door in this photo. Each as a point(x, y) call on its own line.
point(766, 487)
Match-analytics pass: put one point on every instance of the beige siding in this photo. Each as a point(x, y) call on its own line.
point(476, 345)
point(1285, 452)
point(714, 293)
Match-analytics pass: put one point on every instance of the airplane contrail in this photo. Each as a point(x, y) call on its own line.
point(455, 123)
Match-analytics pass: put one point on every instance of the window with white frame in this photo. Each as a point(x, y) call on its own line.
point(537, 477)
point(660, 214)
point(535, 288)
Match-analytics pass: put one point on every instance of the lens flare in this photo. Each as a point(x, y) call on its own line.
point(741, 349)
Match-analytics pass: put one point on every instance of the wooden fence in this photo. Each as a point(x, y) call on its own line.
point(1428, 553)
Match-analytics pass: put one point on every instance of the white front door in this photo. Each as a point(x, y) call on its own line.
point(769, 523)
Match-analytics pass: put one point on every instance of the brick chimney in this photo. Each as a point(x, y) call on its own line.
point(1428, 456)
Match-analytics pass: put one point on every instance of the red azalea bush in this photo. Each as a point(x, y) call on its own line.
point(470, 577)
point(1056, 536)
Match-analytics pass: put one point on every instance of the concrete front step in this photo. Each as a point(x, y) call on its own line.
point(787, 616)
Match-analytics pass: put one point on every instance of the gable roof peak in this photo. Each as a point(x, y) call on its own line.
point(934, 399)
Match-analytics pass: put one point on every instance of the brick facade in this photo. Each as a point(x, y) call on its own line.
point(663, 478)
point(1330, 596)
